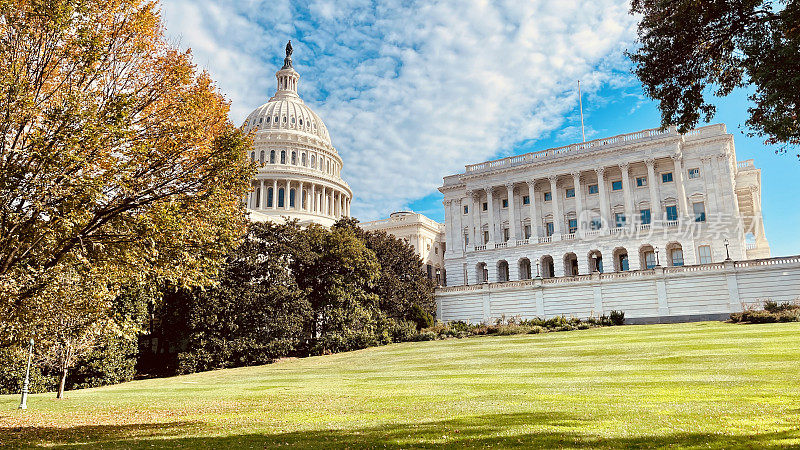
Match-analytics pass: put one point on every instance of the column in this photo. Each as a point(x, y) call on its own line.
point(534, 213)
point(490, 210)
point(576, 183)
point(709, 185)
point(287, 195)
point(558, 218)
point(655, 202)
point(323, 209)
point(512, 221)
point(601, 187)
point(626, 191)
point(449, 222)
point(476, 219)
point(275, 194)
point(682, 203)
point(312, 200)
point(300, 205)
point(263, 200)
point(459, 232)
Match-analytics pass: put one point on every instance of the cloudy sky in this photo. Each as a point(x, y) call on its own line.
point(413, 91)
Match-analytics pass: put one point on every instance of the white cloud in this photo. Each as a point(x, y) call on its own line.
point(412, 91)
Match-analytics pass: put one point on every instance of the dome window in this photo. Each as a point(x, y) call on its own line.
point(284, 119)
point(268, 119)
point(313, 161)
point(276, 119)
point(272, 157)
point(283, 156)
point(301, 122)
point(294, 158)
point(292, 120)
point(260, 120)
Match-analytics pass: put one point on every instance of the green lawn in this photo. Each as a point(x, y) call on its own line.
point(690, 385)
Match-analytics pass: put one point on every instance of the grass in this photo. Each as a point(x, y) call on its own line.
point(703, 385)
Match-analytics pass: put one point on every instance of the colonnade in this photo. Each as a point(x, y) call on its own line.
point(293, 195)
point(457, 220)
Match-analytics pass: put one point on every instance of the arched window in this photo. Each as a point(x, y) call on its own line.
point(301, 122)
point(284, 119)
point(502, 271)
point(328, 166)
point(292, 120)
point(524, 269)
point(261, 157)
point(291, 198)
point(258, 198)
point(270, 195)
point(272, 157)
point(294, 158)
point(283, 156)
point(313, 162)
point(281, 193)
point(260, 119)
point(303, 159)
point(268, 119)
point(276, 120)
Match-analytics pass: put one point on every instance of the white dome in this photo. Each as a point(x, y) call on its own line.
point(287, 114)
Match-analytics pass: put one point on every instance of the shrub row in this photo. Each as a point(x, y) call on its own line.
point(773, 312)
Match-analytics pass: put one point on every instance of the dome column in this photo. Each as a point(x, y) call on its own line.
point(274, 194)
point(263, 199)
point(300, 205)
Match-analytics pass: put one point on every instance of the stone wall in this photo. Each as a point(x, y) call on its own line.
point(662, 294)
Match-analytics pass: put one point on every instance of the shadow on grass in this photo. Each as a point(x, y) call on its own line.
point(497, 430)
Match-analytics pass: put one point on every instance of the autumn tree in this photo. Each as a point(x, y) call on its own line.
point(690, 49)
point(117, 158)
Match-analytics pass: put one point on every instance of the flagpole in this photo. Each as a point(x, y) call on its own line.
point(580, 103)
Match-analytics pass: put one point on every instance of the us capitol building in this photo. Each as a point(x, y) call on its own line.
point(299, 170)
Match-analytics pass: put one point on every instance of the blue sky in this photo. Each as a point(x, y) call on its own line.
point(413, 91)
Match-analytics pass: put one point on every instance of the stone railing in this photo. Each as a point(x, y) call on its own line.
point(580, 148)
point(747, 164)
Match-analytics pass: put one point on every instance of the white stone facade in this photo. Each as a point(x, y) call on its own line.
point(626, 203)
point(299, 173)
point(424, 234)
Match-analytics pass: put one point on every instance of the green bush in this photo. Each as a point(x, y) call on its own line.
point(13, 361)
point(617, 318)
point(420, 317)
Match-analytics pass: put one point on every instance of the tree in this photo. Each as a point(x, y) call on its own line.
point(690, 47)
point(117, 158)
point(402, 284)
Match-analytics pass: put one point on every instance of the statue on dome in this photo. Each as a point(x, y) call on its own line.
point(287, 62)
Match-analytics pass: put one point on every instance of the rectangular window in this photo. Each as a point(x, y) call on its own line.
point(619, 219)
point(526, 200)
point(572, 225)
point(527, 231)
point(548, 196)
point(593, 189)
point(466, 239)
point(699, 209)
point(704, 254)
point(485, 237)
point(505, 203)
point(616, 185)
point(645, 216)
point(485, 206)
point(666, 177)
point(672, 212)
point(550, 229)
point(649, 260)
point(677, 257)
point(570, 192)
point(641, 181)
point(694, 173)
point(506, 235)
point(466, 209)
point(596, 224)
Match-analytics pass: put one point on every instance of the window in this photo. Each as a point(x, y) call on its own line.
point(593, 189)
point(260, 119)
point(253, 156)
point(649, 260)
point(292, 119)
point(645, 216)
point(672, 212)
point(506, 235)
point(268, 117)
point(284, 119)
point(280, 197)
point(505, 203)
point(548, 196)
point(550, 228)
point(291, 198)
point(303, 158)
point(283, 156)
point(466, 209)
point(666, 177)
point(313, 161)
point(572, 224)
point(619, 219)
point(704, 254)
point(485, 206)
point(596, 224)
point(699, 211)
point(436, 250)
point(261, 157)
point(294, 158)
point(616, 185)
point(485, 237)
point(301, 122)
point(641, 181)
point(272, 157)
point(570, 193)
point(276, 120)
point(270, 194)
point(677, 257)
point(526, 200)
point(466, 239)
point(527, 231)
point(694, 173)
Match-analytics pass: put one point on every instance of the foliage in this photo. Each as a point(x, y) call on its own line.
point(617, 317)
point(690, 47)
point(773, 312)
point(118, 165)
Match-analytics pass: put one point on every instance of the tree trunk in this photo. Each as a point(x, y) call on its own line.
point(60, 393)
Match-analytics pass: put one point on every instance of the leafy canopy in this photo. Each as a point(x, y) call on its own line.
point(691, 47)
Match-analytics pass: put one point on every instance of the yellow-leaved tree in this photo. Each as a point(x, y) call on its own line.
point(118, 163)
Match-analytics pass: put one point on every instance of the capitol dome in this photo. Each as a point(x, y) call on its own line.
point(299, 170)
